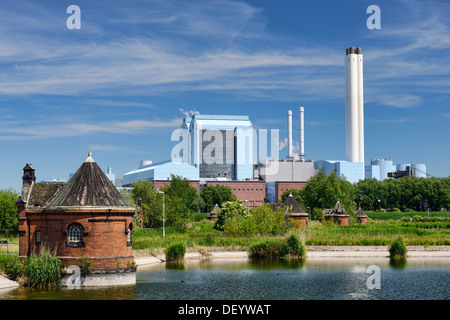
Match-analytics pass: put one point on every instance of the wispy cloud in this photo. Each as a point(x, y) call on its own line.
point(51, 130)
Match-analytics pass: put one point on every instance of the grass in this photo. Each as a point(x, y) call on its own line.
point(381, 229)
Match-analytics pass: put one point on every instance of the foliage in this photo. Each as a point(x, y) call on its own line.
point(216, 194)
point(11, 266)
point(234, 218)
point(175, 251)
point(9, 224)
point(292, 248)
point(323, 191)
point(176, 213)
point(151, 203)
point(405, 194)
point(181, 188)
point(44, 270)
point(268, 221)
point(276, 248)
point(397, 249)
point(85, 264)
point(265, 249)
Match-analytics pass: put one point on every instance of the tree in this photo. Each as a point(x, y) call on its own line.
point(9, 225)
point(151, 203)
point(216, 194)
point(323, 191)
point(181, 188)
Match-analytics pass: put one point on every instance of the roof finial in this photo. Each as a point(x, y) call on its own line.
point(89, 158)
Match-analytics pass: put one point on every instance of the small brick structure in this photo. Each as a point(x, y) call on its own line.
point(361, 216)
point(85, 217)
point(338, 214)
point(296, 213)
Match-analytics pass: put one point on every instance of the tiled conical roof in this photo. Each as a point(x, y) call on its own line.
point(89, 187)
point(291, 205)
point(360, 213)
point(338, 209)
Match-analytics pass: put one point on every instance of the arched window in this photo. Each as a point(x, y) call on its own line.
point(75, 233)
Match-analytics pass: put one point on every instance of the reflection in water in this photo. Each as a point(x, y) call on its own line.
point(324, 279)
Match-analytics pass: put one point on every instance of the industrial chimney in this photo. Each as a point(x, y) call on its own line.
point(302, 134)
point(354, 105)
point(289, 114)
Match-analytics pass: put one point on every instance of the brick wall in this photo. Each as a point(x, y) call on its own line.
point(252, 193)
point(104, 236)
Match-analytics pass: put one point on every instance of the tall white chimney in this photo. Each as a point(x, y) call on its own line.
point(289, 114)
point(302, 134)
point(354, 105)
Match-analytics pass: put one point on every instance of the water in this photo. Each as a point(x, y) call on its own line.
point(241, 279)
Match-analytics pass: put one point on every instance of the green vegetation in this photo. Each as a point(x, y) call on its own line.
point(278, 248)
point(216, 194)
point(236, 219)
point(9, 225)
point(175, 252)
point(44, 270)
point(378, 231)
point(397, 249)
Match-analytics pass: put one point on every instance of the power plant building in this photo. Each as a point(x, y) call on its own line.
point(381, 169)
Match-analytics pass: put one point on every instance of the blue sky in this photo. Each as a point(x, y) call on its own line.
point(121, 84)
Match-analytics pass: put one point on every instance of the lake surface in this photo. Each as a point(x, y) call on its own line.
point(242, 279)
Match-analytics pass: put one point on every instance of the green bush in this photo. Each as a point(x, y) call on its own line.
point(175, 251)
point(11, 266)
point(417, 218)
point(397, 249)
point(44, 270)
point(265, 249)
point(292, 248)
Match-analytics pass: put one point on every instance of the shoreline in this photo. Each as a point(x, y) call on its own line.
point(311, 252)
point(144, 257)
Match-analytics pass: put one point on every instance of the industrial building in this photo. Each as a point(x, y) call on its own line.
point(381, 169)
point(220, 150)
point(352, 169)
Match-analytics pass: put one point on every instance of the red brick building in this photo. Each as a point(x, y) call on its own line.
point(278, 187)
point(158, 184)
point(86, 217)
point(252, 193)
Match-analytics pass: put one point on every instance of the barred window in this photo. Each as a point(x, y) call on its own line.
point(75, 233)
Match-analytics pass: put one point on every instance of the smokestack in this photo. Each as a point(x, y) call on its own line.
point(354, 105)
point(289, 134)
point(302, 134)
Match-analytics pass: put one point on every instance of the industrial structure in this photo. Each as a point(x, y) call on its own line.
point(354, 105)
point(221, 149)
point(382, 168)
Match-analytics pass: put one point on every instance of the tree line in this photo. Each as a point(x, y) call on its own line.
point(405, 194)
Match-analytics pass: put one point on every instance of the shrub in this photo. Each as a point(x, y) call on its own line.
point(85, 264)
point(175, 251)
point(265, 249)
point(11, 266)
point(417, 218)
point(292, 248)
point(44, 270)
point(397, 249)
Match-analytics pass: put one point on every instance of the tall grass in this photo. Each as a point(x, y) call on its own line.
point(175, 252)
point(276, 248)
point(397, 249)
point(44, 270)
